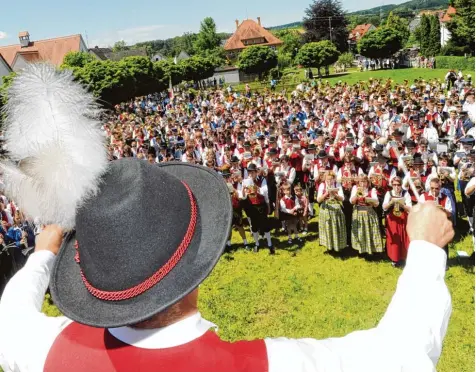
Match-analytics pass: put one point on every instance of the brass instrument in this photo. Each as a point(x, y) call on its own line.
point(467, 172)
point(360, 193)
point(397, 212)
point(376, 179)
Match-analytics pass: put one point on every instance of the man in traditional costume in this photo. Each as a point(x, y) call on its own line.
point(130, 296)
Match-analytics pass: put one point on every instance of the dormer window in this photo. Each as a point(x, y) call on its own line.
point(24, 37)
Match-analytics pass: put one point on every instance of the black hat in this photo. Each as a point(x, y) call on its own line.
point(226, 173)
point(322, 154)
point(272, 151)
point(234, 159)
point(409, 144)
point(468, 140)
point(261, 137)
point(417, 159)
point(397, 133)
point(247, 144)
point(349, 135)
point(252, 167)
point(272, 139)
point(311, 146)
point(103, 278)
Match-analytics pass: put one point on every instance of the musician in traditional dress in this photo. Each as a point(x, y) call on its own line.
point(397, 204)
point(237, 221)
point(308, 176)
point(332, 226)
point(347, 177)
point(303, 211)
point(447, 176)
point(289, 206)
point(257, 210)
point(441, 200)
point(366, 236)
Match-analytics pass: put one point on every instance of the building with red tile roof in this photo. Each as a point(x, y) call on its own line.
point(50, 50)
point(359, 31)
point(250, 32)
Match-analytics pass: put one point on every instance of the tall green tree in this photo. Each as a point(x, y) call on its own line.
point(462, 25)
point(424, 32)
point(292, 41)
point(400, 25)
point(257, 60)
point(326, 20)
point(119, 45)
point(434, 38)
point(320, 54)
point(207, 38)
point(76, 59)
point(380, 43)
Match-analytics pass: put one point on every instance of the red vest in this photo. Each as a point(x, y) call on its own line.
point(289, 202)
point(82, 348)
point(296, 161)
point(441, 199)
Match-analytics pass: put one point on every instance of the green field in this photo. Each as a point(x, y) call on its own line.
point(294, 76)
point(304, 292)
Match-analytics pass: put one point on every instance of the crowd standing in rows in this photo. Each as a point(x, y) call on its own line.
point(343, 148)
point(338, 152)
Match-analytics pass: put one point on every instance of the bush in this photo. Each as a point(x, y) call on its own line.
point(456, 63)
point(346, 59)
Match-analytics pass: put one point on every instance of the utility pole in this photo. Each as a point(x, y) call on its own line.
point(330, 29)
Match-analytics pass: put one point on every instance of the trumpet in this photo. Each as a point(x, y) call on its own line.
point(360, 193)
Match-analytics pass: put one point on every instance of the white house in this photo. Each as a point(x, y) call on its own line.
point(445, 33)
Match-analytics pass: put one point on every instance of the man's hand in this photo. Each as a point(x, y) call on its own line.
point(428, 222)
point(49, 239)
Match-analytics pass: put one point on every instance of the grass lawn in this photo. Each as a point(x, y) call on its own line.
point(304, 292)
point(294, 76)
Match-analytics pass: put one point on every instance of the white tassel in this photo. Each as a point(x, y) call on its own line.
point(52, 130)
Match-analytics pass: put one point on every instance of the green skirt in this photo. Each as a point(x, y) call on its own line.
point(332, 230)
point(366, 237)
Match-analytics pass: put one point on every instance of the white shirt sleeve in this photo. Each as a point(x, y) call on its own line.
point(470, 184)
point(23, 325)
point(386, 200)
point(320, 190)
point(408, 199)
point(415, 324)
point(292, 176)
point(373, 194)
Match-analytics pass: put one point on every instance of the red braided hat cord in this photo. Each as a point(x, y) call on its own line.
point(158, 275)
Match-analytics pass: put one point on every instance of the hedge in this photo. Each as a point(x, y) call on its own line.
point(456, 63)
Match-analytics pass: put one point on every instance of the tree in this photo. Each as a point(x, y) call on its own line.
point(400, 25)
point(120, 45)
point(346, 59)
point(292, 41)
point(257, 60)
point(207, 38)
point(423, 32)
point(76, 59)
point(380, 43)
point(434, 38)
point(461, 26)
point(320, 54)
point(322, 15)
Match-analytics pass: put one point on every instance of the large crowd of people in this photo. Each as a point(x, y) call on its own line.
point(334, 153)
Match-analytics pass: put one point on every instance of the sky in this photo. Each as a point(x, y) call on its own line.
point(103, 22)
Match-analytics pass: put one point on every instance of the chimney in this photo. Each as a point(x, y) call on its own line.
point(259, 21)
point(237, 23)
point(24, 38)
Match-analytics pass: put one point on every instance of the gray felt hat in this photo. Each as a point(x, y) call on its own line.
point(148, 238)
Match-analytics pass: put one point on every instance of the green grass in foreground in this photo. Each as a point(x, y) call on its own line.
point(295, 76)
point(304, 292)
point(308, 293)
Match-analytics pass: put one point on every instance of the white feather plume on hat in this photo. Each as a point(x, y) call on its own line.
point(56, 147)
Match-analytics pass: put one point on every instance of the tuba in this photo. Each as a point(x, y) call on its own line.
point(397, 212)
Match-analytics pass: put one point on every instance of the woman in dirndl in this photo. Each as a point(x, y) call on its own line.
point(332, 230)
point(366, 236)
point(397, 204)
